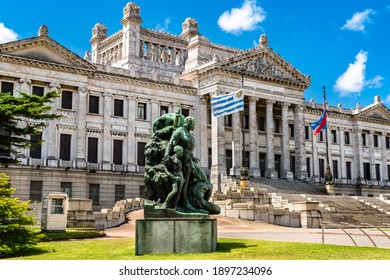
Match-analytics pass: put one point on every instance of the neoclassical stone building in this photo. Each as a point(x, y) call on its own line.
point(111, 96)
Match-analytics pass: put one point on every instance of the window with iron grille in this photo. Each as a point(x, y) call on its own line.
point(36, 149)
point(67, 99)
point(66, 187)
point(119, 192)
point(118, 107)
point(94, 193)
point(36, 191)
point(37, 90)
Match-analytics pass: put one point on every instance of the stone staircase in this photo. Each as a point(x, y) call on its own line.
point(286, 195)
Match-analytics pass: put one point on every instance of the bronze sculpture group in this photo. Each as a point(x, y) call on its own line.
point(173, 177)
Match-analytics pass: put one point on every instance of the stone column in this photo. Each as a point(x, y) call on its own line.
point(236, 144)
point(371, 155)
point(52, 153)
point(358, 155)
point(300, 147)
point(253, 153)
point(218, 167)
point(316, 170)
point(343, 167)
point(155, 111)
point(203, 132)
point(385, 175)
point(81, 129)
point(24, 86)
point(131, 143)
point(270, 163)
point(286, 173)
point(107, 139)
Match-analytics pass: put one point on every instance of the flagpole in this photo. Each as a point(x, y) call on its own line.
point(328, 173)
point(242, 124)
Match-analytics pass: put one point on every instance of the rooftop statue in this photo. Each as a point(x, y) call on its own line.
point(173, 177)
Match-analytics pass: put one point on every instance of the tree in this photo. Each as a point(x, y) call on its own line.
point(20, 117)
point(16, 233)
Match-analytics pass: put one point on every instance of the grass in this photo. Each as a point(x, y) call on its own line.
point(228, 249)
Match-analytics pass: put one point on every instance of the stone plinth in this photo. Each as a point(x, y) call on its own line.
point(176, 235)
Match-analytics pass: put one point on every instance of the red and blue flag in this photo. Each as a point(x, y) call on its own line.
point(319, 125)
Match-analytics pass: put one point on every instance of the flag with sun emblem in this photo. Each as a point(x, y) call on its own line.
point(227, 104)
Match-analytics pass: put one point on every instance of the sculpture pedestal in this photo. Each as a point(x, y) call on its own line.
point(175, 235)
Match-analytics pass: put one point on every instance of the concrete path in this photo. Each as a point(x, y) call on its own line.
point(235, 228)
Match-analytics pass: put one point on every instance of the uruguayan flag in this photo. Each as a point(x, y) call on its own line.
point(226, 104)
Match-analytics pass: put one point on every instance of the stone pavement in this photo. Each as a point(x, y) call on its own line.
point(235, 228)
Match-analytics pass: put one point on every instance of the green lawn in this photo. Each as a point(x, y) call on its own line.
point(228, 249)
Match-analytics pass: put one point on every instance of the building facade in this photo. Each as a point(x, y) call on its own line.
point(110, 98)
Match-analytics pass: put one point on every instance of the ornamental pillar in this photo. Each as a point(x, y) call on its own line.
point(270, 160)
point(254, 170)
point(286, 173)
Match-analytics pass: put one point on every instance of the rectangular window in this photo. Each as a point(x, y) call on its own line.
point(92, 150)
point(57, 206)
point(346, 138)
point(308, 167)
point(185, 112)
point(141, 153)
point(334, 136)
point(349, 170)
point(210, 158)
point(118, 107)
point(37, 90)
point(364, 142)
point(335, 169)
point(117, 152)
point(378, 171)
point(276, 126)
point(246, 121)
point(93, 104)
point(36, 149)
point(142, 191)
point(228, 120)
point(7, 87)
point(94, 193)
point(67, 99)
point(164, 110)
point(5, 146)
point(366, 170)
point(307, 132)
point(119, 192)
point(291, 130)
point(321, 166)
point(65, 144)
point(376, 141)
point(387, 140)
point(66, 187)
point(141, 111)
point(320, 136)
point(388, 172)
point(209, 114)
point(261, 123)
point(36, 191)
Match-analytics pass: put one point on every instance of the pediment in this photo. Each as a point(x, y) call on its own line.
point(265, 64)
point(375, 111)
point(44, 49)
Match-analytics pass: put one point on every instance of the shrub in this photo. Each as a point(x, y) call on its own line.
point(16, 232)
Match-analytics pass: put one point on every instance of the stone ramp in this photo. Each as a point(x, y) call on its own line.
point(347, 209)
point(284, 186)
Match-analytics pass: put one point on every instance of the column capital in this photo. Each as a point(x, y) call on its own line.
point(252, 99)
point(83, 89)
point(299, 107)
point(204, 99)
point(54, 85)
point(269, 102)
point(285, 105)
point(24, 80)
point(107, 94)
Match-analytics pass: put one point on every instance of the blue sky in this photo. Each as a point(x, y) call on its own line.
point(342, 44)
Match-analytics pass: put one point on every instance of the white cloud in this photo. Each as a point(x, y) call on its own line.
point(353, 80)
point(241, 19)
point(375, 82)
point(387, 100)
point(6, 34)
point(165, 26)
point(358, 20)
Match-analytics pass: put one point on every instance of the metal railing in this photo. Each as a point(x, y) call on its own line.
point(363, 228)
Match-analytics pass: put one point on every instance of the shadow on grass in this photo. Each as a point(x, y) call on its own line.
point(226, 246)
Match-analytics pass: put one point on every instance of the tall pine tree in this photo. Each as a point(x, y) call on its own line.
point(20, 117)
